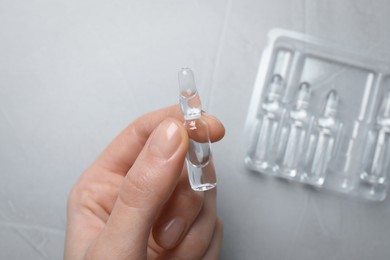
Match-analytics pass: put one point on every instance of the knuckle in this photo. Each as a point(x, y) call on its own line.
point(79, 196)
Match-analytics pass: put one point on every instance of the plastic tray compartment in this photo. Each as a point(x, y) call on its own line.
point(320, 115)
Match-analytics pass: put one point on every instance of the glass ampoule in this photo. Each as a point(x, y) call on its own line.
point(327, 127)
point(297, 124)
point(262, 152)
point(199, 161)
point(375, 172)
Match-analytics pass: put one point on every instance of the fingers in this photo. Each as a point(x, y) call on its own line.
point(200, 235)
point(149, 154)
point(198, 238)
point(178, 215)
point(146, 187)
point(211, 251)
point(123, 151)
point(214, 249)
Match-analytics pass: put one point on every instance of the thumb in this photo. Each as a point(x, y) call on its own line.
point(146, 187)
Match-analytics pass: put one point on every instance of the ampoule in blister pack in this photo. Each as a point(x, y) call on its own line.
point(320, 115)
point(296, 127)
point(377, 154)
point(321, 143)
point(199, 159)
point(267, 125)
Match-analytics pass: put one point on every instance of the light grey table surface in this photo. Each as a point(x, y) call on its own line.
point(74, 73)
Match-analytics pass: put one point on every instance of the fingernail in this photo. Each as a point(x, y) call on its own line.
point(165, 140)
point(172, 233)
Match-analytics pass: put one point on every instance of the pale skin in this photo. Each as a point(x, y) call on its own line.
point(135, 202)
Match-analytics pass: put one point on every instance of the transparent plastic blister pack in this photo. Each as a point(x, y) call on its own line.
point(320, 115)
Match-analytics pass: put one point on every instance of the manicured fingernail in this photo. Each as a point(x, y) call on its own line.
point(165, 140)
point(172, 233)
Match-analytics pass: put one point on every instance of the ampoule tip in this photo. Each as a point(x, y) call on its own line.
point(187, 82)
point(277, 86)
point(304, 92)
point(277, 78)
point(332, 102)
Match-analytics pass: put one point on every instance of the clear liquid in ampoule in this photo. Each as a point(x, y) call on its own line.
point(199, 161)
point(200, 165)
point(262, 152)
point(327, 127)
point(374, 176)
point(297, 124)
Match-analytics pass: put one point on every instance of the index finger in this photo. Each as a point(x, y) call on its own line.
point(120, 155)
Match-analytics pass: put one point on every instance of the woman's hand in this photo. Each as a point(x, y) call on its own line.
point(135, 202)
